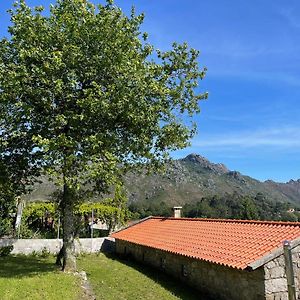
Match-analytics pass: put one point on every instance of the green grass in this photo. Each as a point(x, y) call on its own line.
point(24, 277)
point(112, 279)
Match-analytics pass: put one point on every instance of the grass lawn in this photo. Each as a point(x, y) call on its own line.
point(113, 279)
point(27, 277)
point(23, 278)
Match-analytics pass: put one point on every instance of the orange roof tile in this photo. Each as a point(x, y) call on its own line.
point(233, 243)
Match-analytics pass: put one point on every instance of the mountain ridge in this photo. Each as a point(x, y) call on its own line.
point(187, 180)
point(194, 176)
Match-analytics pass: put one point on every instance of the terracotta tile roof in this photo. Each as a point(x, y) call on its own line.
point(234, 243)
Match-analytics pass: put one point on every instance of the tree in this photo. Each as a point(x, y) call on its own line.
point(249, 210)
point(89, 98)
point(15, 175)
point(7, 204)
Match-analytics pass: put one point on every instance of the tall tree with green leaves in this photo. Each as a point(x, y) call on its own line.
point(89, 98)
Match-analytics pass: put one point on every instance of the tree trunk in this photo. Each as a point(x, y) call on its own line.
point(68, 250)
point(60, 256)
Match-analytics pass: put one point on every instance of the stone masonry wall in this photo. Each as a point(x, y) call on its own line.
point(218, 281)
point(28, 246)
point(275, 277)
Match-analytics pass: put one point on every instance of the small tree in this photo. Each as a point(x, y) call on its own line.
point(88, 98)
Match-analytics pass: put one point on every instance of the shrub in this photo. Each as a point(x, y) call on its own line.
point(5, 251)
point(44, 253)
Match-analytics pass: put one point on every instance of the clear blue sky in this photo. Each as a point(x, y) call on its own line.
point(251, 121)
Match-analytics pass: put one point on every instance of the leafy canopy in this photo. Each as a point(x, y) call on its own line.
point(82, 92)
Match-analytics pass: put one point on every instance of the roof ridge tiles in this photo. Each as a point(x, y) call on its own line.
point(258, 222)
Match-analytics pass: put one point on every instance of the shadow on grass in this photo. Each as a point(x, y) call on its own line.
point(24, 266)
point(176, 287)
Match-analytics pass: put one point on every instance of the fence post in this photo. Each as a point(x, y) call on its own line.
point(20, 206)
point(92, 230)
point(92, 225)
point(289, 270)
point(58, 229)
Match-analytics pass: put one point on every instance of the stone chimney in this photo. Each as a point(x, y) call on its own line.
point(177, 211)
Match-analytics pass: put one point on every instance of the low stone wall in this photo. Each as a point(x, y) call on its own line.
point(218, 281)
point(28, 246)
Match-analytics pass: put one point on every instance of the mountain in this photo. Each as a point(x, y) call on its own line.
point(289, 189)
point(188, 180)
point(193, 177)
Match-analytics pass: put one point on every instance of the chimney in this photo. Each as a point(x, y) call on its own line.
point(177, 211)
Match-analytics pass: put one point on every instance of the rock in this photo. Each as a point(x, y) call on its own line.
point(275, 285)
point(206, 164)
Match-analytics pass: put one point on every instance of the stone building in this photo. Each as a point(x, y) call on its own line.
point(227, 259)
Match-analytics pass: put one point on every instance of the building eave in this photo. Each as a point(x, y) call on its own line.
point(270, 256)
point(133, 224)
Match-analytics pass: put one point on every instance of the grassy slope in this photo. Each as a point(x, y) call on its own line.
point(24, 278)
point(112, 279)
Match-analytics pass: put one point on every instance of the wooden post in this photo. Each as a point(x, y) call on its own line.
point(289, 270)
point(20, 206)
point(58, 226)
point(92, 225)
point(92, 230)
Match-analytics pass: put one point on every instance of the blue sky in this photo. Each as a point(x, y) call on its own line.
point(251, 121)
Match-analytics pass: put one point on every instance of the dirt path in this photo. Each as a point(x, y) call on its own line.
point(88, 293)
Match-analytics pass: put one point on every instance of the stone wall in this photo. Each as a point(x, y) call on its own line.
point(275, 277)
point(218, 281)
point(28, 246)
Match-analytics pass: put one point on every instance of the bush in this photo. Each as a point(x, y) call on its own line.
point(5, 251)
point(44, 253)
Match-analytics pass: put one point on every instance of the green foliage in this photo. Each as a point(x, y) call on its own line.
point(228, 206)
point(235, 206)
point(40, 219)
point(82, 93)
point(39, 210)
point(5, 251)
point(44, 253)
point(7, 208)
point(249, 209)
point(145, 209)
point(84, 98)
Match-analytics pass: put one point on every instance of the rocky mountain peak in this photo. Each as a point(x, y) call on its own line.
point(206, 164)
point(292, 181)
point(196, 158)
point(270, 181)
